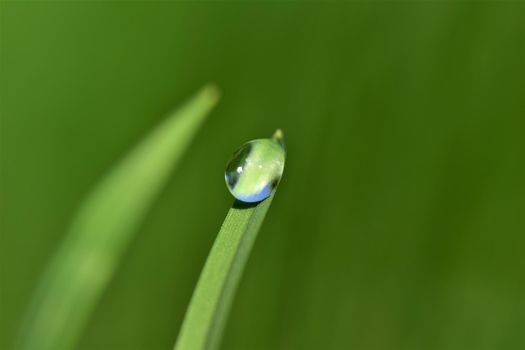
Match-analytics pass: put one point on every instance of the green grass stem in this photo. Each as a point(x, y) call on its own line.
point(209, 307)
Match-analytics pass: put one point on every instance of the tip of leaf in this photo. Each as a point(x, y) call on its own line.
point(211, 93)
point(278, 135)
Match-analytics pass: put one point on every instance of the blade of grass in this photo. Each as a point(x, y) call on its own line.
point(210, 304)
point(91, 249)
point(213, 295)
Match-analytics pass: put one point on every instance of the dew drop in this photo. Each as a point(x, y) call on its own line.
point(255, 169)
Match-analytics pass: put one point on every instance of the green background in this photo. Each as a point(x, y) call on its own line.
point(399, 223)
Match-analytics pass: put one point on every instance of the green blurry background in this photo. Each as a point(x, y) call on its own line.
point(399, 224)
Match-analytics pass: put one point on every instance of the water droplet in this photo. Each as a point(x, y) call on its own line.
point(255, 169)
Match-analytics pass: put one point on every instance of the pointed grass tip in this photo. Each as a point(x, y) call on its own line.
point(278, 136)
point(211, 92)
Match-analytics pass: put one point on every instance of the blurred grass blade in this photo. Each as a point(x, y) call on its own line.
point(88, 256)
point(210, 304)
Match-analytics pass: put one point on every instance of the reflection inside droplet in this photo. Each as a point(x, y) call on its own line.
point(255, 170)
